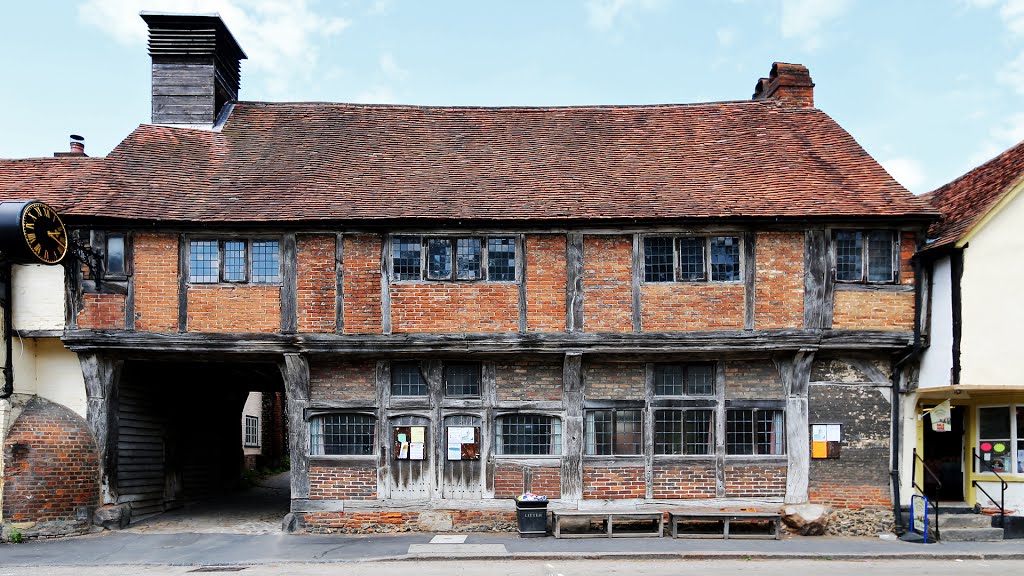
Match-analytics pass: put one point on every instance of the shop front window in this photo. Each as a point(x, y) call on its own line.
point(1001, 439)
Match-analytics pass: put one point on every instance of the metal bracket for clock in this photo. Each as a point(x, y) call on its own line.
point(84, 254)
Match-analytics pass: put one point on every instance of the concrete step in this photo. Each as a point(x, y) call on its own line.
point(947, 521)
point(971, 534)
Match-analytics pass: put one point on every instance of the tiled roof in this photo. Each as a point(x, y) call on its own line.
point(317, 161)
point(965, 201)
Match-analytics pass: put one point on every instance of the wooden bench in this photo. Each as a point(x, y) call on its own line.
point(725, 518)
point(609, 519)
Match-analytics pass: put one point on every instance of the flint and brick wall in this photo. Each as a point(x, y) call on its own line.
point(545, 283)
point(691, 306)
point(342, 483)
point(102, 312)
point(607, 283)
point(388, 522)
point(613, 483)
point(317, 282)
point(779, 281)
point(237, 309)
point(445, 307)
point(51, 467)
point(684, 481)
point(342, 380)
point(529, 380)
point(614, 381)
point(156, 282)
point(752, 380)
point(362, 312)
point(755, 480)
point(860, 476)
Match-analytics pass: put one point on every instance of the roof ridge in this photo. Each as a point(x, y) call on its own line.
point(523, 108)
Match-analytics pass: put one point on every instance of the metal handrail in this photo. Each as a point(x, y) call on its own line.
point(913, 481)
point(1002, 486)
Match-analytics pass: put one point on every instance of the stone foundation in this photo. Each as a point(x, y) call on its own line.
point(386, 522)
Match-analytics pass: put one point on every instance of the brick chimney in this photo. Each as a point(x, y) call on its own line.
point(195, 68)
point(788, 83)
point(77, 148)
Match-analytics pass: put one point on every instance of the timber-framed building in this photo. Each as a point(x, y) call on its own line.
point(631, 306)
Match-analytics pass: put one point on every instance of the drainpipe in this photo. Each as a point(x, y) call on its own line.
point(5, 302)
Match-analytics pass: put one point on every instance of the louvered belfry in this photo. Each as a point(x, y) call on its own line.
point(195, 67)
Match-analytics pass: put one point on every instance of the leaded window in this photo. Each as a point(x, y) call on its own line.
point(265, 261)
point(528, 434)
point(754, 432)
point(613, 432)
point(658, 261)
point(342, 435)
point(688, 431)
point(695, 379)
point(407, 380)
point(462, 379)
point(203, 262)
point(114, 256)
point(234, 261)
point(691, 258)
point(501, 259)
point(406, 257)
point(866, 256)
point(439, 259)
point(466, 258)
point(213, 261)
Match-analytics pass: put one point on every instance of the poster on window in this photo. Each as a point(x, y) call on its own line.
point(942, 420)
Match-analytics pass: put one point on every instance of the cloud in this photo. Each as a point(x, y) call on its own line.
point(726, 36)
point(907, 171)
point(378, 94)
point(280, 37)
point(390, 68)
point(804, 20)
point(603, 14)
point(1000, 137)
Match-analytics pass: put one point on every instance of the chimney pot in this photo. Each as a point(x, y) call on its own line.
point(77, 148)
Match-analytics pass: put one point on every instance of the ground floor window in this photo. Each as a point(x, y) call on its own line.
point(614, 433)
point(755, 431)
point(252, 431)
point(683, 432)
point(342, 435)
point(529, 434)
point(1001, 438)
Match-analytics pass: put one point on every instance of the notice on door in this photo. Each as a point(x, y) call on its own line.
point(463, 443)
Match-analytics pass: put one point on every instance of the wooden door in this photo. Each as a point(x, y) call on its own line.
point(410, 469)
point(463, 465)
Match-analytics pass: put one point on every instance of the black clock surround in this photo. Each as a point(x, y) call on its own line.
point(31, 232)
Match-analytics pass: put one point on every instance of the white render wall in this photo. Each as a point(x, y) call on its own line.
point(937, 360)
point(253, 407)
point(38, 297)
point(993, 301)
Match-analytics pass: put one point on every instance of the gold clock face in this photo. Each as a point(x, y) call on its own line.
point(44, 233)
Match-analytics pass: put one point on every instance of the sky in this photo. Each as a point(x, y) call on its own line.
point(930, 88)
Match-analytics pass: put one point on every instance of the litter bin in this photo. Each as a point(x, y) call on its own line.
point(532, 518)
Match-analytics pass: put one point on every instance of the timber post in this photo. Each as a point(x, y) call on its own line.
point(101, 375)
point(295, 371)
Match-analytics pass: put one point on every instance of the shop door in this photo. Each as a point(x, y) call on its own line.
point(461, 453)
point(944, 455)
point(409, 458)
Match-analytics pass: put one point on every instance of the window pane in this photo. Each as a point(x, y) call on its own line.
point(1020, 439)
point(628, 432)
point(439, 259)
point(203, 261)
point(264, 261)
point(599, 433)
point(668, 379)
point(725, 259)
point(698, 431)
point(406, 379)
point(739, 432)
point(527, 434)
point(994, 423)
point(700, 380)
point(770, 432)
point(252, 431)
point(234, 261)
point(691, 258)
point(658, 260)
point(880, 256)
point(849, 255)
point(462, 379)
point(668, 432)
point(115, 254)
point(405, 257)
point(501, 259)
point(342, 434)
point(468, 255)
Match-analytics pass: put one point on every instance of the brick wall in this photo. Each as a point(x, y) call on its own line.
point(317, 282)
point(691, 306)
point(673, 481)
point(908, 245)
point(545, 283)
point(607, 283)
point(860, 476)
point(454, 307)
point(752, 380)
point(529, 380)
point(362, 284)
point(873, 310)
point(50, 466)
point(755, 480)
point(102, 312)
point(779, 281)
point(156, 282)
point(382, 522)
point(342, 483)
point(511, 480)
point(612, 483)
point(234, 308)
point(614, 380)
point(342, 380)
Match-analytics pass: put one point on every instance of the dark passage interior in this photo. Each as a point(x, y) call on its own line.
point(944, 455)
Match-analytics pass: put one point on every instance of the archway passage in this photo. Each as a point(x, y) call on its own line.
point(178, 442)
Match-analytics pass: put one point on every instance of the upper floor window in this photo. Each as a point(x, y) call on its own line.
point(114, 256)
point(466, 258)
point(684, 379)
point(691, 259)
point(342, 434)
point(255, 261)
point(866, 256)
point(407, 380)
point(614, 433)
point(461, 379)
